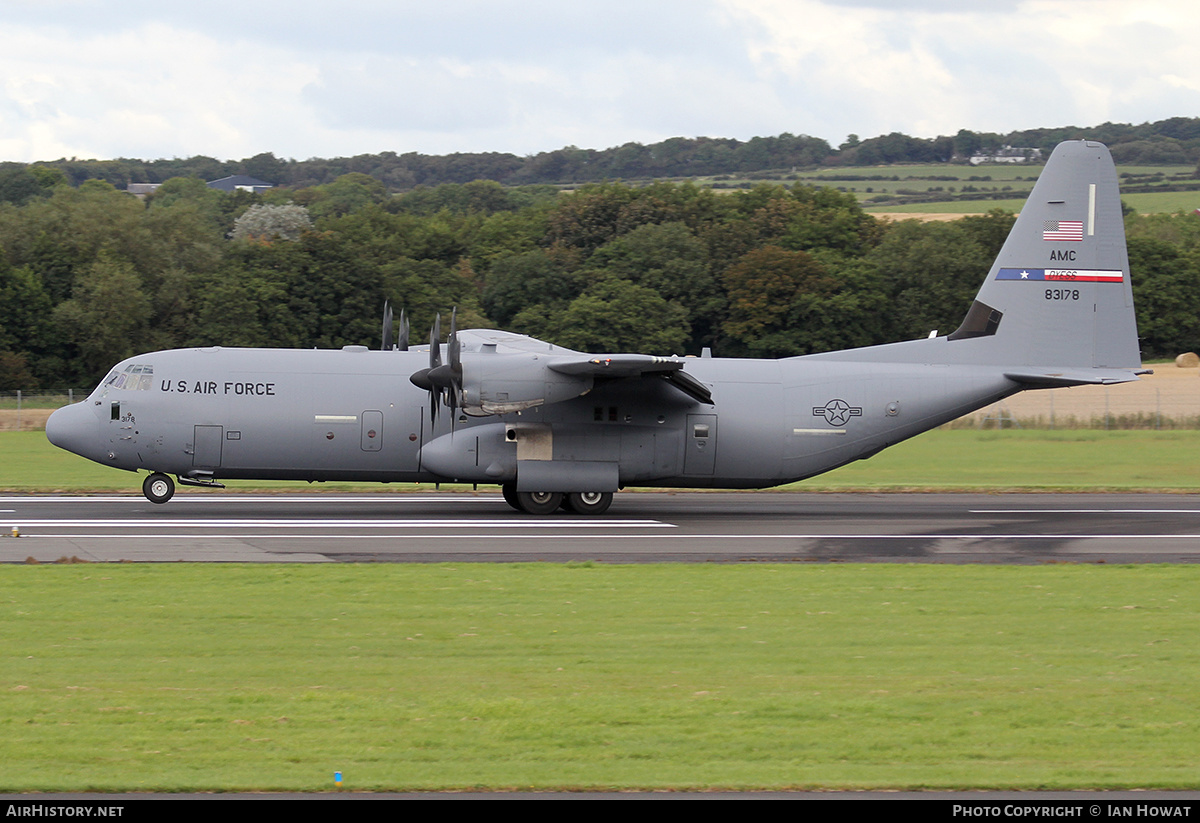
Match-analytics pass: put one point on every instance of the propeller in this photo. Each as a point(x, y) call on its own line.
point(449, 377)
point(422, 379)
point(442, 380)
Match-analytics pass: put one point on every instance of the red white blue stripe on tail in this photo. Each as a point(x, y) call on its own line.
point(1070, 275)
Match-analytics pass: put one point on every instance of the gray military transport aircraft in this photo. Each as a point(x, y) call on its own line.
point(557, 428)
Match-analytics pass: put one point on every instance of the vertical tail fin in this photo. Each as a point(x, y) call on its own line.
point(1059, 294)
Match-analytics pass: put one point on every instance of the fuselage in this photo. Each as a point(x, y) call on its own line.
point(353, 414)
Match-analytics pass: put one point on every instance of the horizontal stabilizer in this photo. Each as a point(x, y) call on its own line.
point(1034, 379)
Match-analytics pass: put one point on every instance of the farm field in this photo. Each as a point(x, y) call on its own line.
point(907, 188)
point(1168, 398)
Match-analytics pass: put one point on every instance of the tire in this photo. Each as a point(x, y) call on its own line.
point(538, 502)
point(510, 495)
point(158, 488)
point(588, 502)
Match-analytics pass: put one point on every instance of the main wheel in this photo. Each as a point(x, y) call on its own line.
point(538, 502)
point(588, 502)
point(158, 488)
point(510, 495)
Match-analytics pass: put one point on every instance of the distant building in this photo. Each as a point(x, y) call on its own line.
point(140, 190)
point(241, 182)
point(1007, 154)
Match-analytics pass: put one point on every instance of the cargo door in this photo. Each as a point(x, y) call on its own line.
point(207, 451)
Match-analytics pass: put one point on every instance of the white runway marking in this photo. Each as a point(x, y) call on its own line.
point(1084, 511)
point(261, 498)
point(342, 523)
point(654, 536)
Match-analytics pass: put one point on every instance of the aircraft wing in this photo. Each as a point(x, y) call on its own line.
point(635, 366)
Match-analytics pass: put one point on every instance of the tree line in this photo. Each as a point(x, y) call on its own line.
point(90, 275)
point(1174, 140)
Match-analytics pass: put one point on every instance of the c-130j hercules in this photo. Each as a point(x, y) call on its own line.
point(557, 428)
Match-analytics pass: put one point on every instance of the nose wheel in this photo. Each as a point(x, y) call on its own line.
point(158, 488)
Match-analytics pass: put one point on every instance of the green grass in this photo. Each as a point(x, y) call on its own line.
point(1020, 178)
point(942, 460)
point(1158, 203)
point(1031, 460)
point(232, 677)
point(1163, 203)
point(915, 181)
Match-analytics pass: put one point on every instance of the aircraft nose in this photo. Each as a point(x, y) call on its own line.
point(74, 428)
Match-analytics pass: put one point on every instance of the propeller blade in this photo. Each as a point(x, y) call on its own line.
point(435, 362)
point(403, 344)
point(387, 326)
point(435, 342)
point(454, 351)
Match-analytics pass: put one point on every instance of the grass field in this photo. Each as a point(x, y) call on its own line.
point(229, 677)
point(1157, 203)
point(180, 677)
point(941, 460)
point(958, 207)
point(915, 181)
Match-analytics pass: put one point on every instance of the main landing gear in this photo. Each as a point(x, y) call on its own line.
point(592, 503)
point(158, 488)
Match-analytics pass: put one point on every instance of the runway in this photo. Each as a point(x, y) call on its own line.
point(639, 528)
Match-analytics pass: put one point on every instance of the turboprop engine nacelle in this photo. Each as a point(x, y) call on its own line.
point(502, 383)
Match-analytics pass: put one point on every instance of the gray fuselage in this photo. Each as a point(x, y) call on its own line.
point(353, 414)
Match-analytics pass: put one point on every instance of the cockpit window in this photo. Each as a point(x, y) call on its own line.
point(134, 377)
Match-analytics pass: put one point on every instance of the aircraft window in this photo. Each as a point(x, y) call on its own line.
point(700, 430)
point(981, 321)
point(115, 414)
point(134, 377)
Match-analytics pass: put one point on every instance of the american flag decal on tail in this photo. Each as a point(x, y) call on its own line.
point(1063, 230)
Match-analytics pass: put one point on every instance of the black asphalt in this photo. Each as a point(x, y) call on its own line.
point(640, 527)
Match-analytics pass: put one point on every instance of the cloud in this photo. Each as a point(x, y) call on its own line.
point(301, 79)
point(137, 92)
point(926, 68)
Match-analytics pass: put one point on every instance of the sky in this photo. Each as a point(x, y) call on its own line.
point(233, 78)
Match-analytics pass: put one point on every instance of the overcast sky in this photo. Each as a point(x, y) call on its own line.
point(232, 78)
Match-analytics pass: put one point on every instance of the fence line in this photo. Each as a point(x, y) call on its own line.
point(1152, 403)
point(22, 410)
